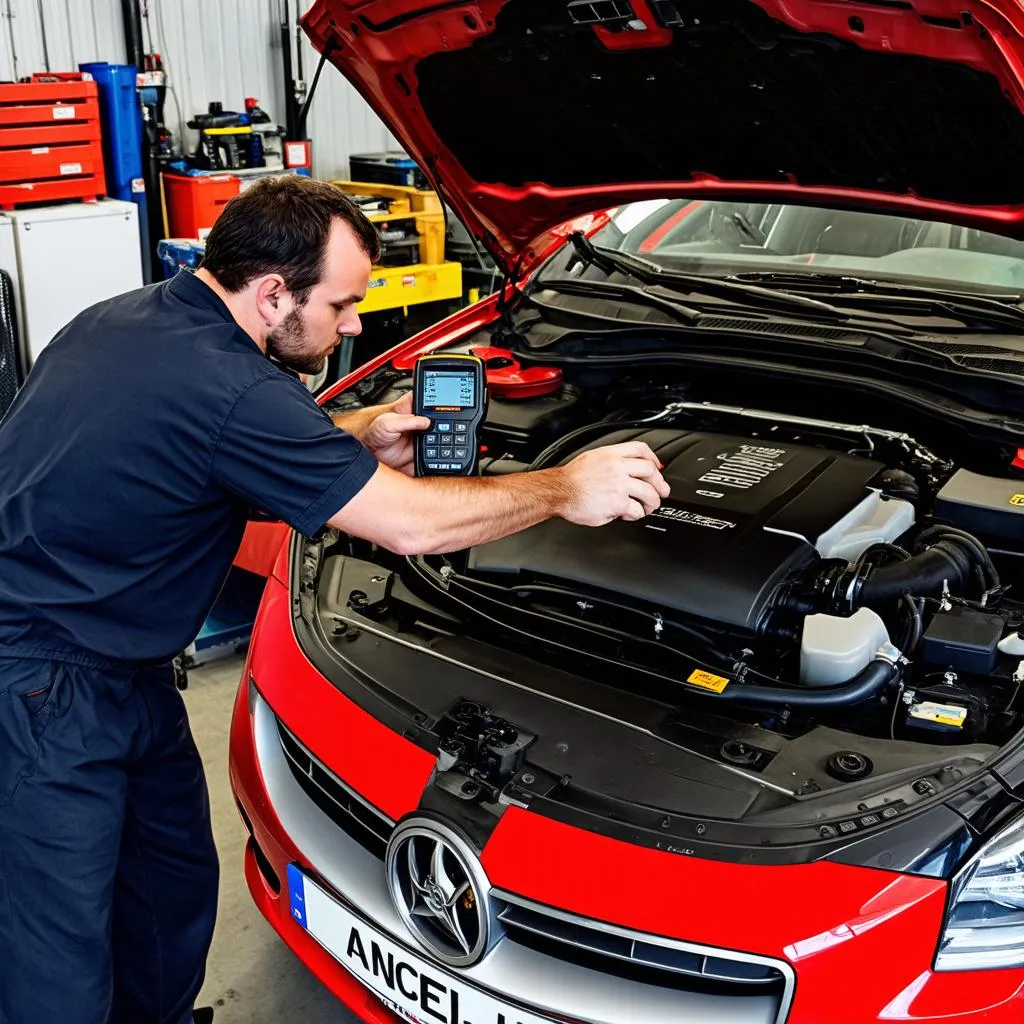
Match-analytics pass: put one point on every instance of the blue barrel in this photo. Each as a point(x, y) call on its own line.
point(121, 116)
point(122, 126)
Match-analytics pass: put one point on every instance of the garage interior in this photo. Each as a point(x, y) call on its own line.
point(751, 751)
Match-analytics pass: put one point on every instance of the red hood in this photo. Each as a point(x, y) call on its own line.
point(524, 118)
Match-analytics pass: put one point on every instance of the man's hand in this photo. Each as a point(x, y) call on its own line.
point(389, 434)
point(620, 481)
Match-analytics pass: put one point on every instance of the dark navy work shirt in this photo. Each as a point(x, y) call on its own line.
point(145, 433)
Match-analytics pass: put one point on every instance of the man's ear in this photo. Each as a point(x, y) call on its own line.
point(271, 299)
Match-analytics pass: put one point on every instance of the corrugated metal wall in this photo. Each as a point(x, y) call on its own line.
point(76, 31)
point(214, 49)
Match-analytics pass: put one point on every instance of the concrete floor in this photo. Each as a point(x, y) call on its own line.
point(251, 977)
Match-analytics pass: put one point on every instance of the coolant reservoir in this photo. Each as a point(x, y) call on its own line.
point(833, 648)
point(875, 520)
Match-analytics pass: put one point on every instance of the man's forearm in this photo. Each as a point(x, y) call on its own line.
point(461, 512)
point(436, 514)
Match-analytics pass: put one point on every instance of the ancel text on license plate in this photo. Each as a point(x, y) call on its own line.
point(412, 987)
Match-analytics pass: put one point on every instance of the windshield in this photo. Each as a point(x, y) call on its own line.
point(722, 239)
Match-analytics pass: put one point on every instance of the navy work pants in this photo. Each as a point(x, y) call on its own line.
point(108, 871)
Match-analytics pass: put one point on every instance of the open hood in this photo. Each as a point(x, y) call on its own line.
point(527, 113)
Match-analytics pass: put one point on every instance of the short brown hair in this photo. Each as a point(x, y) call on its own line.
point(281, 226)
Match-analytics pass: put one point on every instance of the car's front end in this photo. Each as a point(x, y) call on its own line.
point(758, 757)
point(593, 917)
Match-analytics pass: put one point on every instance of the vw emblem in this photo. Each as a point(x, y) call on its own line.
point(440, 890)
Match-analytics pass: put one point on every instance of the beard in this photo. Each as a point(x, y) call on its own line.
point(289, 344)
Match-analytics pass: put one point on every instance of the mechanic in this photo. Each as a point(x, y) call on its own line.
point(146, 433)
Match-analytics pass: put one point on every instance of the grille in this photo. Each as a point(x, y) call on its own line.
point(1011, 366)
point(353, 815)
point(979, 356)
point(786, 328)
point(965, 349)
point(635, 955)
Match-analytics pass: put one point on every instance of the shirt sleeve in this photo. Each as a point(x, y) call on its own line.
point(279, 451)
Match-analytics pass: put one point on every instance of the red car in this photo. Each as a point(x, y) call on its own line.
point(759, 756)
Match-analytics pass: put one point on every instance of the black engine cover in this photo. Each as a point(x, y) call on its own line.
point(743, 518)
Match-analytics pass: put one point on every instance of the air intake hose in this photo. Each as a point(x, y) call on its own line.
point(865, 684)
point(949, 559)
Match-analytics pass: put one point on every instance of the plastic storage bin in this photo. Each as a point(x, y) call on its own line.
point(195, 202)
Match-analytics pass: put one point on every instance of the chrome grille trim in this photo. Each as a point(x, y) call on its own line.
point(346, 808)
point(647, 950)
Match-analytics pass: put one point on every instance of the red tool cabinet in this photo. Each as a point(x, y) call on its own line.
point(50, 143)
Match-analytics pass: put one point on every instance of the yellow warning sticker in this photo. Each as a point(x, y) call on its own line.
point(1017, 499)
point(707, 681)
point(940, 714)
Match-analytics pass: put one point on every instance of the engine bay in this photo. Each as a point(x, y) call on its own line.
point(806, 575)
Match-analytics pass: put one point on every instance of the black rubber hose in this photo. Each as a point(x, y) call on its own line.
point(915, 624)
point(863, 685)
point(923, 574)
point(972, 543)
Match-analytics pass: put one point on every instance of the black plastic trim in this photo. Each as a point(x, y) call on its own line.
point(645, 826)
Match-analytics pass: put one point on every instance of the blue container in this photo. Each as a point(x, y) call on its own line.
point(121, 116)
point(179, 254)
point(122, 126)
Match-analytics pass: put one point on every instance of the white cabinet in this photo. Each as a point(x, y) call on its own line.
point(70, 257)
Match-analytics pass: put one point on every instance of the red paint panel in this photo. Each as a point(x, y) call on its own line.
point(261, 546)
point(686, 897)
point(386, 769)
point(383, 44)
point(829, 920)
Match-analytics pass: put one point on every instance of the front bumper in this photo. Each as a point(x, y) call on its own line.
point(855, 945)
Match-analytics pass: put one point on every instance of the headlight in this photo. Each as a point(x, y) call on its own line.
point(985, 921)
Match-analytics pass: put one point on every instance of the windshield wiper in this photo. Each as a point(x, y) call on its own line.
point(868, 338)
point(611, 261)
point(650, 296)
point(993, 310)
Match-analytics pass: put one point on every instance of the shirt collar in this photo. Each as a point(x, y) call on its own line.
point(195, 292)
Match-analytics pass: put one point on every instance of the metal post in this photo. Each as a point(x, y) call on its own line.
point(291, 112)
point(42, 36)
point(132, 16)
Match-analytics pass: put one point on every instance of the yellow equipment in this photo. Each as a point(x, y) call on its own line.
point(431, 279)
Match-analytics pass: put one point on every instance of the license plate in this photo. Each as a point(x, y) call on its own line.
point(412, 987)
